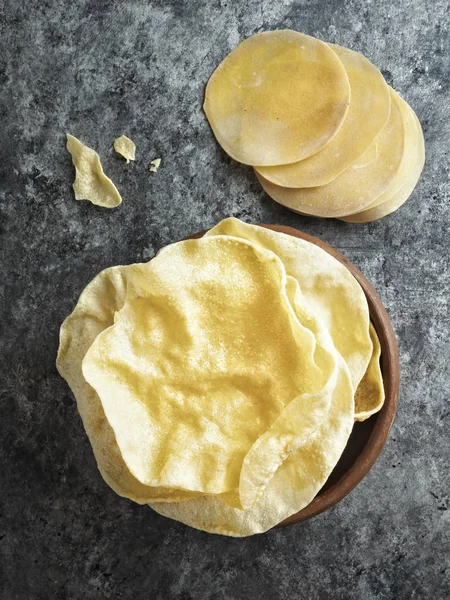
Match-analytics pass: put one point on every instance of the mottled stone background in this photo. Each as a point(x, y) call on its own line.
point(99, 69)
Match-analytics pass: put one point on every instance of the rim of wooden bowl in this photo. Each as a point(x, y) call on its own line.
point(381, 421)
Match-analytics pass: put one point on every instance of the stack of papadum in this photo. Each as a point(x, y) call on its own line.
point(324, 132)
point(219, 382)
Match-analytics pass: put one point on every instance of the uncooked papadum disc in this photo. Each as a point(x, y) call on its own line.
point(368, 113)
point(409, 154)
point(357, 187)
point(277, 98)
point(403, 185)
point(402, 194)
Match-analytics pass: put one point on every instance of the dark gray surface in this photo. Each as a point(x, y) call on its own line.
point(100, 69)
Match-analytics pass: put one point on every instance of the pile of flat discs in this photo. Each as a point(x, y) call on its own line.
point(324, 132)
point(220, 381)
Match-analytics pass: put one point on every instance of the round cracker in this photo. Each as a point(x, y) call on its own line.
point(187, 410)
point(368, 113)
point(369, 396)
point(358, 186)
point(94, 312)
point(277, 98)
point(409, 155)
point(102, 296)
point(403, 188)
point(331, 291)
point(398, 198)
point(293, 486)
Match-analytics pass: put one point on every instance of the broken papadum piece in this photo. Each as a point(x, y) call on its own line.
point(125, 147)
point(91, 183)
point(154, 165)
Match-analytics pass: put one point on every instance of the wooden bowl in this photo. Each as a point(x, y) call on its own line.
point(367, 438)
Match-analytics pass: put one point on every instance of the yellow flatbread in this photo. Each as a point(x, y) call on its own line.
point(368, 113)
point(103, 297)
point(277, 98)
point(125, 147)
point(294, 484)
point(207, 373)
point(403, 186)
point(90, 181)
point(357, 187)
point(369, 396)
point(331, 291)
point(190, 320)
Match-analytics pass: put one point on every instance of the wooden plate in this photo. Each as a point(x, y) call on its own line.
point(367, 438)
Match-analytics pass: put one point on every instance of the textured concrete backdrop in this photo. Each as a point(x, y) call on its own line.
point(100, 69)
